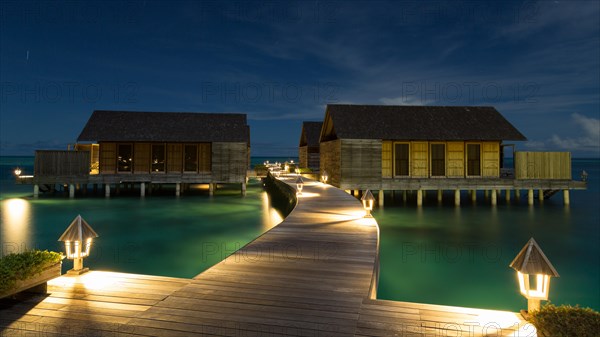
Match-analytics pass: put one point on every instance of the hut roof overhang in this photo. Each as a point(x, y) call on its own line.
point(532, 260)
point(137, 126)
point(399, 122)
point(311, 131)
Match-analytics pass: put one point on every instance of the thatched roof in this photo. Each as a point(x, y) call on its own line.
point(137, 126)
point(393, 122)
point(531, 260)
point(311, 131)
point(78, 230)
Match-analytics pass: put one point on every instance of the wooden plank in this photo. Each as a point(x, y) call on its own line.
point(386, 159)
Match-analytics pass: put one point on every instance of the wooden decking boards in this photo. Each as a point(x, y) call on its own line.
point(309, 276)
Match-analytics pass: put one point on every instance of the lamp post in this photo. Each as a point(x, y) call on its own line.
point(533, 272)
point(297, 170)
point(584, 176)
point(18, 172)
point(286, 168)
point(299, 184)
point(324, 177)
point(78, 241)
point(368, 200)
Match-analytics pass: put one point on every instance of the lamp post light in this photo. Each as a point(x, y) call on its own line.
point(78, 241)
point(324, 177)
point(532, 262)
point(286, 168)
point(299, 184)
point(18, 172)
point(368, 200)
point(297, 170)
point(584, 176)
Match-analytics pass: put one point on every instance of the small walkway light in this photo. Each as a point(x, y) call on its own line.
point(584, 176)
point(78, 233)
point(324, 177)
point(18, 172)
point(368, 200)
point(531, 261)
point(299, 184)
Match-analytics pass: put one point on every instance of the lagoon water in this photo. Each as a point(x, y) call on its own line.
point(434, 254)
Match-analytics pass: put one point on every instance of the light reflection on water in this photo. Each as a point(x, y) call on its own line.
point(16, 219)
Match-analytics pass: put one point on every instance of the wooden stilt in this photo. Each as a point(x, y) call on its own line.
point(439, 195)
point(36, 191)
point(507, 196)
point(106, 190)
point(71, 191)
point(457, 197)
point(419, 197)
point(243, 189)
point(211, 189)
point(404, 196)
point(177, 189)
point(541, 195)
point(530, 197)
point(566, 197)
point(142, 190)
point(474, 195)
point(494, 198)
point(381, 197)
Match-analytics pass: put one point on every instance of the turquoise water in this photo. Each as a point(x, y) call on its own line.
point(434, 254)
point(460, 256)
point(160, 235)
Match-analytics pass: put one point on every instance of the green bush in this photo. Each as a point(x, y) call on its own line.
point(305, 170)
point(14, 267)
point(261, 170)
point(565, 320)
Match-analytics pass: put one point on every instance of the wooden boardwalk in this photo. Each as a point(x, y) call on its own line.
point(312, 275)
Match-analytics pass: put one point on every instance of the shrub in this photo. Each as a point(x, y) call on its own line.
point(305, 170)
point(261, 170)
point(14, 267)
point(565, 320)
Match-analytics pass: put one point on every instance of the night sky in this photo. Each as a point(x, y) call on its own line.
point(537, 62)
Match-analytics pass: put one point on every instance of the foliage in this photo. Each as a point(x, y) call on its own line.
point(565, 320)
point(305, 170)
point(261, 170)
point(14, 267)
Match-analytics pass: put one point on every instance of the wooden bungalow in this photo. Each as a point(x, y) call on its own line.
point(118, 147)
point(308, 150)
point(432, 148)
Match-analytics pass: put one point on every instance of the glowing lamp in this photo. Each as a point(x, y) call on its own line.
point(368, 200)
point(297, 170)
point(78, 241)
point(584, 175)
point(18, 172)
point(299, 184)
point(286, 168)
point(324, 177)
point(534, 271)
point(277, 173)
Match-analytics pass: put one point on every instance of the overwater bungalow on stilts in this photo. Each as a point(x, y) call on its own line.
point(436, 148)
point(147, 150)
point(308, 149)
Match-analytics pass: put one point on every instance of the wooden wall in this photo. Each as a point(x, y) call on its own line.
point(490, 159)
point(142, 156)
point(62, 163)
point(330, 157)
point(419, 159)
point(386, 159)
point(543, 165)
point(229, 162)
point(360, 163)
point(455, 159)
point(303, 156)
point(309, 157)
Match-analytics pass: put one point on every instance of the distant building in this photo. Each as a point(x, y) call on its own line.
point(308, 150)
point(152, 148)
point(382, 147)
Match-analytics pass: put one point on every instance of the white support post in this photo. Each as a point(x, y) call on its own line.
point(243, 189)
point(530, 197)
point(419, 197)
point(404, 196)
point(566, 197)
point(71, 191)
point(177, 189)
point(494, 198)
point(440, 194)
point(107, 190)
point(507, 195)
point(211, 189)
point(486, 194)
point(474, 195)
point(518, 194)
point(381, 197)
point(142, 190)
point(541, 194)
point(457, 197)
point(36, 191)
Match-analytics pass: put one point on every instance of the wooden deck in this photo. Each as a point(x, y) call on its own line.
point(312, 275)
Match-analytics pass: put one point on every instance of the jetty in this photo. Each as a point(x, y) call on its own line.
point(314, 274)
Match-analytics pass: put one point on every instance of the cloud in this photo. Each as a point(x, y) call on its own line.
point(405, 100)
point(589, 139)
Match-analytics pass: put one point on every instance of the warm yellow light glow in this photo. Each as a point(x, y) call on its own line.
point(539, 291)
point(368, 205)
point(299, 186)
point(15, 224)
point(309, 195)
point(18, 171)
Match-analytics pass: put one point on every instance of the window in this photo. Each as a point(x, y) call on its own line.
point(473, 159)
point(438, 160)
point(190, 158)
point(158, 158)
point(124, 158)
point(401, 156)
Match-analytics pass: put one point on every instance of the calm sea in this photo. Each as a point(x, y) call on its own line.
point(435, 254)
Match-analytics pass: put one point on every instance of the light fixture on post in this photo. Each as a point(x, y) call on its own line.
point(297, 170)
point(368, 200)
point(584, 176)
point(18, 172)
point(78, 241)
point(299, 184)
point(286, 168)
point(324, 177)
point(277, 172)
point(532, 262)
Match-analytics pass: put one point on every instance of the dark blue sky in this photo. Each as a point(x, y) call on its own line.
point(282, 62)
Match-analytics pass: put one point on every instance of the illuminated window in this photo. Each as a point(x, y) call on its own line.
point(158, 158)
point(124, 158)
